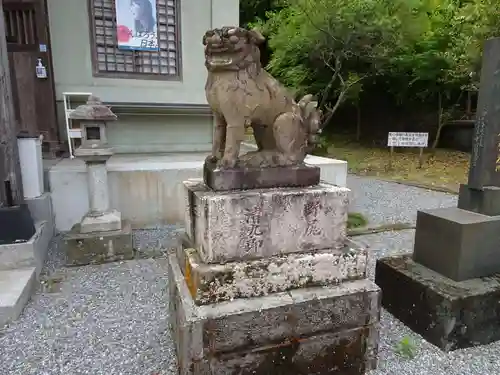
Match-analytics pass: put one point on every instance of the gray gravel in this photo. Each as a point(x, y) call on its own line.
point(108, 319)
point(155, 241)
point(112, 319)
point(385, 202)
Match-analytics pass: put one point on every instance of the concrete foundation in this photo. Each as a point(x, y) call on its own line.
point(16, 287)
point(21, 263)
point(33, 252)
point(447, 313)
point(27, 254)
point(253, 224)
point(212, 283)
point(320, 331)
point(137, 180)
point(98, 247)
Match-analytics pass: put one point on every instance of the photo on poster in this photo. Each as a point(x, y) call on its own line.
point(136, 27)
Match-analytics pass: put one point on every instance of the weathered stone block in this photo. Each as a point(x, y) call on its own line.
point(259, 178)
point(325, 330)
point(342, 353)
point(253, 224)
point(458, 244)
point(447, 313)
point(98, 247)
point(211, 283)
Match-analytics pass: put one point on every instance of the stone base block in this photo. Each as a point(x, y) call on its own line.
point(458, 244)
point(212, 283)
point(98, 247)
point(109, 221)
point(260, 223)
point(307, 331)
point(259, 178)
point(448, 314)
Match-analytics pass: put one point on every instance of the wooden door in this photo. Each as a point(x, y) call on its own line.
point(28, 39)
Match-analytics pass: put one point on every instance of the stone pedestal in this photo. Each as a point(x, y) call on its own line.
point(259, 178)
point(100, 217)
point(449, 314)
point(101, 236)
point(266, 282)
point(98, 247)
point(253, 224)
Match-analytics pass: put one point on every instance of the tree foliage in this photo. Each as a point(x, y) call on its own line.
point(410, 49)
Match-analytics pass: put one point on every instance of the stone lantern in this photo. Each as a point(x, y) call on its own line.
point(95, 151)
point(101, 236)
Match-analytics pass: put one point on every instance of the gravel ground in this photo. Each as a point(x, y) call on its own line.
point(386, 203)
point(112, 319)
point(108, 319)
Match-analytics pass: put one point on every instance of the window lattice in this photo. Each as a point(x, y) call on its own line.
point(20, 24)
point(110, 59)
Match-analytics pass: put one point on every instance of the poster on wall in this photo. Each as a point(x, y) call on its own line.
point(136, 25)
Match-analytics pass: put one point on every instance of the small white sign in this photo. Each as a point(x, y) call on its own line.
point(404, 139)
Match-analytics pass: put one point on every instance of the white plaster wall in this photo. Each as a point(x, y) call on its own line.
point(147, 189)
point(152, 134)
point(71, 51)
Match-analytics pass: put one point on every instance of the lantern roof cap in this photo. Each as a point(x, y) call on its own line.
point(93, 110)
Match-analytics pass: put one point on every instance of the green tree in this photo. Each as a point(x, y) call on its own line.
point(255, 10)
point(330, 47)
point(418, 51)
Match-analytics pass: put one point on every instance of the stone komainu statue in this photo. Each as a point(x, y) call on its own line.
point(242, 94)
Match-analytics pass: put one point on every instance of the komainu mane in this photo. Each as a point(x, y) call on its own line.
point(242, 94)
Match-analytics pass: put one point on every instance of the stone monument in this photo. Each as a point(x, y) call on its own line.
point(449, 290)
point(102, 235)
point(265, 280)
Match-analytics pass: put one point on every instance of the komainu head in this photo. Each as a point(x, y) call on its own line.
point(232, 48)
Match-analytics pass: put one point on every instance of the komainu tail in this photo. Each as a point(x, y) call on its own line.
point(311, 120)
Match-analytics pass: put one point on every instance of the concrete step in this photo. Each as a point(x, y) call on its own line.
point(16, 287)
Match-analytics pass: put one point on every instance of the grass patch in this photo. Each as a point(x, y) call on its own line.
point(443, 169)
point(356, 220)
point(406, 348)
point(51, 284)
point(360, 231)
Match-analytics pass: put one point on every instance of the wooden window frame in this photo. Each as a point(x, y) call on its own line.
point(137, 75)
